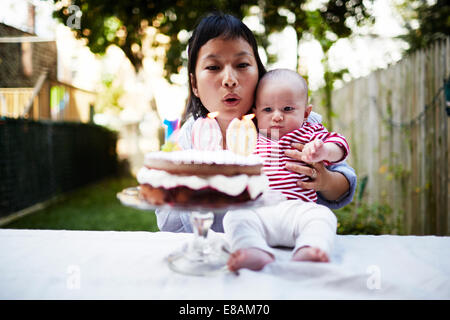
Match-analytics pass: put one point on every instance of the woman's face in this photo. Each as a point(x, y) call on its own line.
point(225, 79)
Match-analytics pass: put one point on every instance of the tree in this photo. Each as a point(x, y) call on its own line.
point(123, 23)
point(425, 23)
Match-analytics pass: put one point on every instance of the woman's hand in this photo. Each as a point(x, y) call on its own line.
point(316, 171)
point(332, 185)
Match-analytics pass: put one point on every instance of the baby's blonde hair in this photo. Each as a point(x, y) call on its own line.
point(286, 74)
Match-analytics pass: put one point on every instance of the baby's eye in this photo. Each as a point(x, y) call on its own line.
point(288, 108)
point(267, 109)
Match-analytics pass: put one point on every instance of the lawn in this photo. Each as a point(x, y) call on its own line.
point(94, 207)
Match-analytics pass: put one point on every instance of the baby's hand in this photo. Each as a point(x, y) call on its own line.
point(314, 151)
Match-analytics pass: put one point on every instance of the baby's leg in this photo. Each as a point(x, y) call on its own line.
point(310, 254)
point(246, 235)
point(316, 227)
point(249, 258)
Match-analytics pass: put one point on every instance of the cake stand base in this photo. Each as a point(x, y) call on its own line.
point(200, 256)
point(192, 262)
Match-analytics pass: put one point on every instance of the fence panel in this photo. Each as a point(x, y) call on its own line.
point(41, 159)
point(397, 125)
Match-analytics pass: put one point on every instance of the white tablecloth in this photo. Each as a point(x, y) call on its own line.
point(43, 264)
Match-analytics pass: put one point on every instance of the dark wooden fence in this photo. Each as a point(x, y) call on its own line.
point(41, 159)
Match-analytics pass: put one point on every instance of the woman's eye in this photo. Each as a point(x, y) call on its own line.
point(212, 68)
point(243, 65)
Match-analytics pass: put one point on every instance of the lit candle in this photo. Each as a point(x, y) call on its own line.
point(206, 134)
point(242, 135)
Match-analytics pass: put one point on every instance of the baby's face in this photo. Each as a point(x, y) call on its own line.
point(281, 107)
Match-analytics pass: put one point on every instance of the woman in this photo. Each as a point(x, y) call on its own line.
point(224, 68)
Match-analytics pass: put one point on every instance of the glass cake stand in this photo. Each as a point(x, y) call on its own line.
point(201, 256)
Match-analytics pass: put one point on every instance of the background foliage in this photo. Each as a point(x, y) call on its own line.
point(123, 22)
point(425, 22)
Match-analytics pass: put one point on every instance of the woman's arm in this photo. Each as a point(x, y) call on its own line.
point(173, 221)
point(343, 191)
point(179, 221)
point(336, 201)
point(335, 184)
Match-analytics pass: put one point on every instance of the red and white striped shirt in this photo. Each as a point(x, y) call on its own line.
point(272, 153)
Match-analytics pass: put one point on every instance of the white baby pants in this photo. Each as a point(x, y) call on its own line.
point(290, 223)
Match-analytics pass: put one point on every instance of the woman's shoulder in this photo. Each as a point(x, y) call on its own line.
point(187, 125)
point(314, 117)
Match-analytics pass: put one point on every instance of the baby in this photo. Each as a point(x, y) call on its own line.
point(281, 112)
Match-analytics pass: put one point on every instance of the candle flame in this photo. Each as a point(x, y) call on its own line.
point(212, 115)
point(248, 116)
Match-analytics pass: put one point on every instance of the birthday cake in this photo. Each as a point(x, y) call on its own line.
point(199, 177)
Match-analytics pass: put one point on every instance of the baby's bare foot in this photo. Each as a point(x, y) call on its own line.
point(310, 254)
point(249, 258)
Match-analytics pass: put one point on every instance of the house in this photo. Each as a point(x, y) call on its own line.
point(29, 86)
point(22, 62)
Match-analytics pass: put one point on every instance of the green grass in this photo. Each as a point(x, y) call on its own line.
point(94, 207)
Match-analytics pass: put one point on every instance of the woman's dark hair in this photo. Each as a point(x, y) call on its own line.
point(212, 26)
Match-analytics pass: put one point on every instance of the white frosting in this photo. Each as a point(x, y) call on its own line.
point(204, 156)
point(230, 185)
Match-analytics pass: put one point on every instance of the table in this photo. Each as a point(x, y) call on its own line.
point(58, 264)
